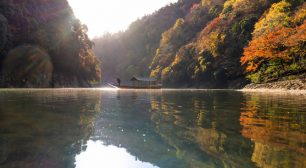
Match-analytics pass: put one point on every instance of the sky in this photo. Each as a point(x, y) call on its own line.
point(111, 16)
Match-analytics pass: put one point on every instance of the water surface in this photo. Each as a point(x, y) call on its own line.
point(88, 128)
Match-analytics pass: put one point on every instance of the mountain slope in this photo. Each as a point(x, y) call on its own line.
point(44, 45)
point(130, 52)
point(213, 44)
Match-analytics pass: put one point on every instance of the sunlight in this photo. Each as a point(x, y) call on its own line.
point(103, 16)
point(108, 89)
point(98, 155)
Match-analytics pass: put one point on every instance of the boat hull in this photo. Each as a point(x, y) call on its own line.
point(135, 87)
point(139, 87)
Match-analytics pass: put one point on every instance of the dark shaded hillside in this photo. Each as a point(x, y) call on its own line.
point(211, 44)
point(43, 45)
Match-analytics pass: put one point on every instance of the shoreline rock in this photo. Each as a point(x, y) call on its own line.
point(296, 86)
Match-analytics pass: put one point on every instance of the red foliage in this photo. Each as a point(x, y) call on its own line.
point(283, 43)
point(212, 25)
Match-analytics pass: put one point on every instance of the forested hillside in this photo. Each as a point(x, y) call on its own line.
point(126, 53)
point(42, 44)
point(210, 43)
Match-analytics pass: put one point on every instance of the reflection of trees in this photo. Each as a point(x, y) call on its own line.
point(203, 128)
point(45, 128)
point(125, 122)
point(277, 126)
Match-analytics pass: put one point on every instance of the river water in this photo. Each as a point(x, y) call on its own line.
point(95, 128)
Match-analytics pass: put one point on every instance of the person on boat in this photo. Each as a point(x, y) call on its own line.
point(118, 81)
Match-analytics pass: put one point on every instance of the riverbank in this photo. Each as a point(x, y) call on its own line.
point(289, 86)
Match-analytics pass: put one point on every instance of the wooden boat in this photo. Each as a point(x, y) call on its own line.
point(138, 87)
point(139, 83)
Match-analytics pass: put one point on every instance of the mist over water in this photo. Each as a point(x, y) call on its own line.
point(148, 129)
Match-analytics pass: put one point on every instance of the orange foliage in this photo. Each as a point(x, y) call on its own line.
point(283, 43)
point(268, 128)
point(212, 25)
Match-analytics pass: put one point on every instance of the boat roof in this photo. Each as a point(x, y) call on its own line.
point(143, 79)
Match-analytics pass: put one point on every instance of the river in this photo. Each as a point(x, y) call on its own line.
point(94, 128)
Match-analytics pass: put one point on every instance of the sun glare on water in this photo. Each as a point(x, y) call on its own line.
point(103, 16)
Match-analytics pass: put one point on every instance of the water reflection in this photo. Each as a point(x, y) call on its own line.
point(165, 129)
point(125, 123)
point(44, 128)
point(98, 154)
point(276, 124)
point(203, 127)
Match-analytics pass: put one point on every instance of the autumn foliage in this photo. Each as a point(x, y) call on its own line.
point(212, 25)
point(211, 43)
point(283, 43)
